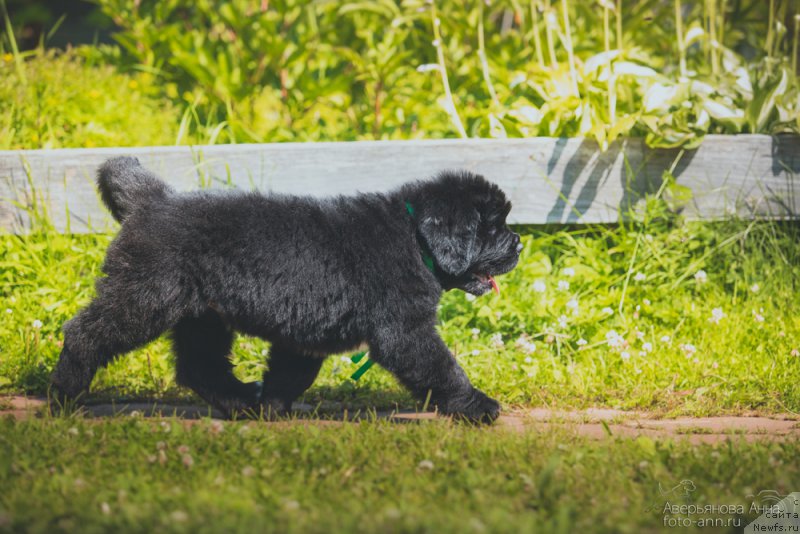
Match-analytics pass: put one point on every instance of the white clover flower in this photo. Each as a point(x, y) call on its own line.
point(498, 314)
point(666, 339)
point(475, 332)
point(715, 365)
point(701, 277)
point(428, 67)
point(344, 358)
point(525, 344)
point(476, 352)
point(563, 285)
point(581, 342)
point(717, 315)
point(562, 321)
point(614, 339)
point(470, 297)
point(755, 288)
point(688, 348)
point(795, 353)
point(625, 355)
point(639, 334)
point(539, 286)
point(646, 302)
point(639, 277)
point(758, 315)
point(608, 311)
point(647, 346)
point(497, 340)
point(436, 42)
point(568, 271)
point(8, 310)
point(37, 324)
point(572, 305)
point(528, 359)
point(425, 465)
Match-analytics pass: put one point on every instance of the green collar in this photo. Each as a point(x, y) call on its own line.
point(427, 259)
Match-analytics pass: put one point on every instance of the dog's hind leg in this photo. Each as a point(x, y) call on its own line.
point(290, 374)
point(202, 346)
point(109, 326)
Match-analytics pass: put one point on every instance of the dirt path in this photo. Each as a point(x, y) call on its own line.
point(593, 423)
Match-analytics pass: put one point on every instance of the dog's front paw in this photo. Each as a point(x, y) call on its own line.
point(476, 407)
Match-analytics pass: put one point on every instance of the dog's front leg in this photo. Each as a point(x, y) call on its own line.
point(419, 358)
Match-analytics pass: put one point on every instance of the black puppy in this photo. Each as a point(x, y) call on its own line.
point(314, 277)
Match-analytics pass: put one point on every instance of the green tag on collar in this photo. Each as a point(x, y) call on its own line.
point(355, 358)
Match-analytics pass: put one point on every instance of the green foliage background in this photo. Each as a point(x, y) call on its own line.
point(297, 70)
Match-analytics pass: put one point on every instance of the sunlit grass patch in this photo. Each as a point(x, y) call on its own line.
point(54, 99)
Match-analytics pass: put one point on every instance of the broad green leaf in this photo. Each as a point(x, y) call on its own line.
point(763, 103)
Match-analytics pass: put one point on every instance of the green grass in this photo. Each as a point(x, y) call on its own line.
point(135, 475)
point(55, 100)
point(659, 335)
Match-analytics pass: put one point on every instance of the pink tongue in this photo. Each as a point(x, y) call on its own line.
point(495, 287)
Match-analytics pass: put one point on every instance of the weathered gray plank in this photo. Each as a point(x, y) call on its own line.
point(549, 180)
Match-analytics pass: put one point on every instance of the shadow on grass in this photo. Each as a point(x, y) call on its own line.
point(346, 402)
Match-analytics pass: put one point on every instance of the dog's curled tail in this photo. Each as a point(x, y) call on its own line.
point(125, 185)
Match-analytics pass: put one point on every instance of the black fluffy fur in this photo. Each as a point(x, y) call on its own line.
point(313, 276)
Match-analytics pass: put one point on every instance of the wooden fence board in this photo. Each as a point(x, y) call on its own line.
point(550, 180)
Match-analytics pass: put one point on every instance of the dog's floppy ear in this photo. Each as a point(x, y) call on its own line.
point(450, 232)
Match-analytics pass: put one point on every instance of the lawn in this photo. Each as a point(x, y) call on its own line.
point(137, 475)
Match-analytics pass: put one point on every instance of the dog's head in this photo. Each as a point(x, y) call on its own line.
point(461, 218)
